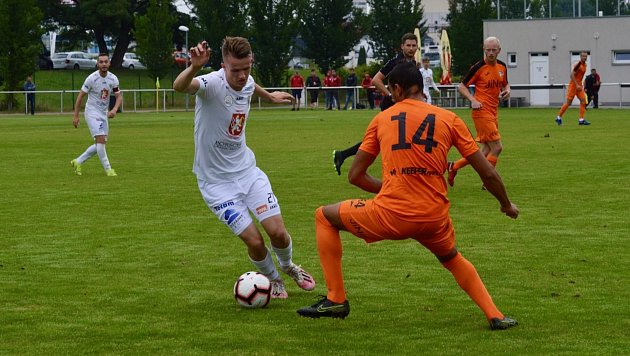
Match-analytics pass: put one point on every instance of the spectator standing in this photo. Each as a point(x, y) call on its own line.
point(327, 90)
point(29, 86)
point(335, 83)
point(351, 81)
point(297, 85)
point(313, 83)
point(591, 85)
point(369, 88)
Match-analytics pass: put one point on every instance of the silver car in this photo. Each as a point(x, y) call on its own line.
point(131, 61)
point(73, 60)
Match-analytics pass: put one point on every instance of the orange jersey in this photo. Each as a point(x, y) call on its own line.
point(579, 69)
point(413, 139)
point(489, 80)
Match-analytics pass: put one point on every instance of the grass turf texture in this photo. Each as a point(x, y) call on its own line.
point(137, 264)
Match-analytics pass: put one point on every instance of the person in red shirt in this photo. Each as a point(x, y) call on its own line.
point(366, 83)
point(576, 89)
point(297, 85)
point(335, 82)
point(413, 139)
point(489, 76)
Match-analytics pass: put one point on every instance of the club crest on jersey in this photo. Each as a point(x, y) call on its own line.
point(501, 74)
point(228, 100)
point(237, 125)
point(104, 94)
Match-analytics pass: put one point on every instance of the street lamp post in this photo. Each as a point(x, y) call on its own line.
point(185, 30)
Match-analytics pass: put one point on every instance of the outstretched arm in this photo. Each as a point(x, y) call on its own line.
point(277, 97)
point(199, 56)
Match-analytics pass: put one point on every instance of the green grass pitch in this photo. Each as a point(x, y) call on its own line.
point(138, 265)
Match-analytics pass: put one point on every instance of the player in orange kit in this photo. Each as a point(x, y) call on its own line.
point(489, 76)
point(413, 139)
point(576, 89)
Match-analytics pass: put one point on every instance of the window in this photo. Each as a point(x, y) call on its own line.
point(621, 57)
point(511, 59)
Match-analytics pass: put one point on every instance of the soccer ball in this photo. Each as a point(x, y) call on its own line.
point(252, 290)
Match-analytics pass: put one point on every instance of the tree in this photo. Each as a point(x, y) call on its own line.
point(466, 31)
point(390, 20)
point(154, 37)
point(96, 20)
point(20, 41)
point(273, 25)
point(329, 32)
point(217, 19)
point(362, 57)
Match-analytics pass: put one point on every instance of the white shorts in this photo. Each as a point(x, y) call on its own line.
point(427, 95)
point(98, 125)
point(232, 201)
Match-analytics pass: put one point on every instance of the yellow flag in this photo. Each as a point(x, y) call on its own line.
point(157, 82)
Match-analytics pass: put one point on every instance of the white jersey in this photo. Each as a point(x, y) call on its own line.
point(99, 89)
point(221, 113)
point(427, 78)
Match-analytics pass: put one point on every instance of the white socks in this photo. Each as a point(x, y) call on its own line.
point(284, 255)
point(102, 155)
point(267, 267)
point(91, 151)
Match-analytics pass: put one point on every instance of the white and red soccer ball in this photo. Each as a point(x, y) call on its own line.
point(252, 290)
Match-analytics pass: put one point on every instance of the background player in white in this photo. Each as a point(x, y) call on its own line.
point(229, 181)
point(427, 78)
point(98, 86)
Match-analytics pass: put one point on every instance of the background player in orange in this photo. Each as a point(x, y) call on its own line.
point(576, 89)
point(413, 139)
point(489, 76)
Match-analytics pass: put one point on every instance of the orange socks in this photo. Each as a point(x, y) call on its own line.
point(492, 159)
point(330, 252)
point(582, 110)
point(466, 276)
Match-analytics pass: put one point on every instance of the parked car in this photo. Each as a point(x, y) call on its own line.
point(73, 60)
point(131, 61)
point(180, 59)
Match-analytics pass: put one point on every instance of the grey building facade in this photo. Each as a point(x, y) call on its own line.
point(541, 52)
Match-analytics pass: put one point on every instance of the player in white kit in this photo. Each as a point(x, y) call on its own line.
point(229, 181)
point(427, 78)
point(98, 86)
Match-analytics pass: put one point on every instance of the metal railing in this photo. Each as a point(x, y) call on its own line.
point(143, 100)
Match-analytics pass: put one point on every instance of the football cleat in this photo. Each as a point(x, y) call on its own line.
point(277, 289)
point(326, 308)
point(502, 324)
point(303, 279)
point(111, 172)
point(583, 122)
point(559, 120)
point(337, 161)
point(451, 174)
point(76, 166)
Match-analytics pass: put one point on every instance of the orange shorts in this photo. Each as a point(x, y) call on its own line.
point(571, 93)
point(487, 129)
point(372, 223)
